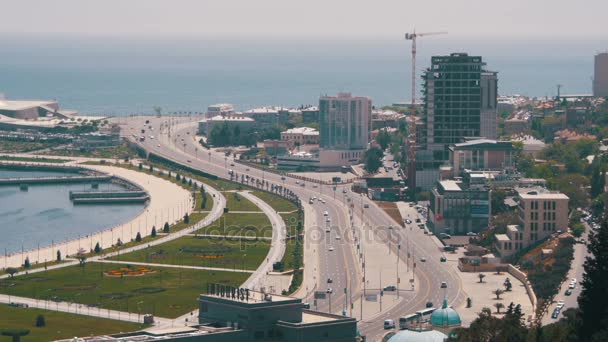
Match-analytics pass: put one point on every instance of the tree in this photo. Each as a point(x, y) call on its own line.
point(15, 333)
point(97, 248)
point(151, 168)
point(12, 271)
point(157, 109)
point(40, 321)
point(498, 292)
point(153, 233)
point(186, 218)
point(26, 263)
point(58, 255)
point(372, 159)
point(508, 285)
point(141, 166)
point(383, 139)
point(592, 317)
point(138, 237)
point(578, 229)
point(481, 276)
point(469, 302)
point(166, 228)
point(498, 306)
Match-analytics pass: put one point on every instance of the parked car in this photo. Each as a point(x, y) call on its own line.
point(555, 313)
point(442, 259)
point(389, 324)
point(444, 285)
point(560, 304)
point(390, 288)
point(423, 259)
point(429, 304)
point(472, 234)
point(568, 292)
point(329, 280)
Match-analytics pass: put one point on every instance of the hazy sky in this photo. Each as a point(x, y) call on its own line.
point(355, 18)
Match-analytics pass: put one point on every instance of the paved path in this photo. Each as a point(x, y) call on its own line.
point(277, 247)
point(232, 237)
point(177, 266)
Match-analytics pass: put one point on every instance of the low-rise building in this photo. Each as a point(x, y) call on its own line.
point(206, 125)
point(310, 115)
point(481, 154)
point(269, 115)
point(532, 147)
point(300, 136)
point(457, 209)
point(224, 109)
point(541, 213)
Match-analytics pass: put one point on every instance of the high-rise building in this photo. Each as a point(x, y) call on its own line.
point(344, 121)
point(460, 101)
point(600, 76)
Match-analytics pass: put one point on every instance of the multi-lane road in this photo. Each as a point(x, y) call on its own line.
point(173, 138)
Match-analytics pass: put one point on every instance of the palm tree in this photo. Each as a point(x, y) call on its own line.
point(15, 333)
point(498, 292)
point(498, 306)
point(481, 276)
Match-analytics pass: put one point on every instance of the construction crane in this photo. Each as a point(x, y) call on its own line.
point(411, 145)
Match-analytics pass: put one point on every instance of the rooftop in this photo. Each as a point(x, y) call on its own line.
point(228, 118)
point(450, 185)
point(539, 193)
point(302, 130)
point(21, 105)
point(487, 143)
point(501, 237)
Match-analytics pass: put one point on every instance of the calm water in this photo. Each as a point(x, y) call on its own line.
point(118, 76)
point(45, 213)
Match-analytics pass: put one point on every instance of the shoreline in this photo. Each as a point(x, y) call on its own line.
point(168, 203)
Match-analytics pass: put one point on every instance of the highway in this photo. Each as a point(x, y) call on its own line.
point(175, 141)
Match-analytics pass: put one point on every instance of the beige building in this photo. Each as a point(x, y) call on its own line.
point(541, 213)
point(481, 154)
point(300, 136)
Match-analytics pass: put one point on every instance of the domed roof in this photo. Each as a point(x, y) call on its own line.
point(445, 317)
point(418, 336)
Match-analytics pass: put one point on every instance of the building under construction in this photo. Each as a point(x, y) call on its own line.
point(460, 100)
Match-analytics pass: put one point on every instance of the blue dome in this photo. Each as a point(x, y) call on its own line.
point(445, 317)
point(418, 336)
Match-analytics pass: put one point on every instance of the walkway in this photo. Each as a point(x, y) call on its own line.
point(176, 266)
point(277, 247)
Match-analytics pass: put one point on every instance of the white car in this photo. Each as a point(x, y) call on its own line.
point(389, 324)
point(572, 286)
point(573, 280)
point(328, 220)
point(337, 237)
point(331, 249)
point(472, 234)
point(325, 213)
point(560, 304)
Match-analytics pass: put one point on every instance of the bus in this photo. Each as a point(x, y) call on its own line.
point(405, 320)
point(425, 312)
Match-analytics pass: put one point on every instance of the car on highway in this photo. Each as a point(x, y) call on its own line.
point(408, 221)
point(297, 182)
point(330, 290)
point(390, 288)
point(328, 219)
point(389, 324)
point(429, 304)
point(329, 280)
point(568, 292)
point(325, 213)
point(338, 237)
point(444, 285)
point(158, 145)
point(331, 249)
point(423, 259)
point(344, 191)
point(366, 206)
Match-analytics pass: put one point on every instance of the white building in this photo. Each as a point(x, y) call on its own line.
point(220, 109)
point(344, 121)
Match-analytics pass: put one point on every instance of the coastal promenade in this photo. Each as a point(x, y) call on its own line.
point(168, 203)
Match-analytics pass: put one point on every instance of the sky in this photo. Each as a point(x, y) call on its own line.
point(555, 19)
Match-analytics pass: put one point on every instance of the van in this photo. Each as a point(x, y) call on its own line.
point(389, 324)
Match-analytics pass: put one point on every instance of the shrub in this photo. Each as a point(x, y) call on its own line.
point(40, 321)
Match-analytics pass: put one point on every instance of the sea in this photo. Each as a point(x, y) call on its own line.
point(44, 213)
point(118, 76)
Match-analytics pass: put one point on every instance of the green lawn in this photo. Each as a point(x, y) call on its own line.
point(200, 251)
point(251, 225)
point(169, 292)
point(59, 325)
point(34, 159)
point(199, 201)
point(24, 146)
point(275, 201)
point(120, 152)
point(237, 202)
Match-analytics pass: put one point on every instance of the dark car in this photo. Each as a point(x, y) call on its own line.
point(568, 292)
point(555, 313)
point(442, 259)
point(429, 304)
point(329, 280)
point(390, 288)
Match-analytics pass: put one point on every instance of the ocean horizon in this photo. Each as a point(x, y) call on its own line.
point(117, 76)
